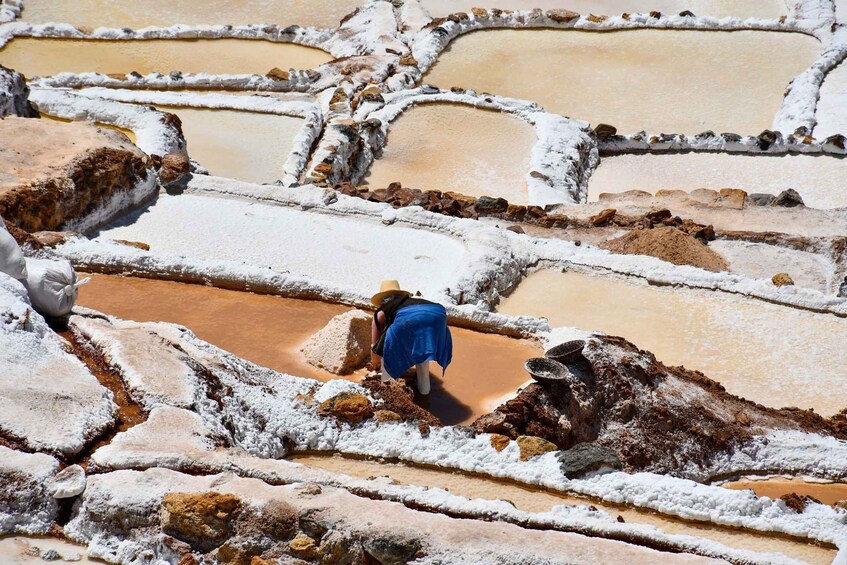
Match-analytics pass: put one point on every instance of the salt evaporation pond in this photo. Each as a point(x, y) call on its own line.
point(717, 8)
point(539, 500)
point(819, 179)
point(827, 493)
point(257, 154)
point(111, 13)
point(355, 254)
point(774, 355)
point(13, 550)
point(656, 80)
point(270, 330)
point(130, 134)
point(47, 57)
point(457, 148)
point(831, 113)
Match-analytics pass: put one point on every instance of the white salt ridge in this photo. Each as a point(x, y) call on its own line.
point(28, 507)
point(49, 401)
point(10, 10)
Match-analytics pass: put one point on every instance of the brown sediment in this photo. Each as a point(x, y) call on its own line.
point(826, 493)
point(668, 244)
point(270, 331)
point(399, 398)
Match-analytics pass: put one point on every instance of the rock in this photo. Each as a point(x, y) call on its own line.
point(187, 559)
point(343, 345)
point(761, 199)
point(490, 205)
point(393, 548)
point(656, 216)
point(304, 546)
point(585, 458)
point(533, 446)
point(562, 16)
point(767, 138)
point(68, 482)
point(687, 14)
point(798, 502)
point(51, 555)
point(836, 141)
point(655, 14)
point(350, 407)
point(32, 551)
point(203, 520)
point(788, 198)
point(742, 418)
point(605, 131)
point(51, 238)
point(72, 557)
point(782, 279)
point(603, 217)
point(372, 94)
point(500, 442)
point(842, 289)
point(383, 416)
point(137, 244)
point(515, 229)
point(733, 198)
point(277, 74)
point(14, 95)
point(731, 137)
point(174, 165)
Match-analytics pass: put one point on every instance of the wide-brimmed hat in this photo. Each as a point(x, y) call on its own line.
point(387, 288)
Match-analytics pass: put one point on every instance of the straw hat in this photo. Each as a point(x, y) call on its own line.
point(387, 288)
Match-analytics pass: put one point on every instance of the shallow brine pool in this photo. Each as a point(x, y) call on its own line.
point(773, 355)
point(656, 80)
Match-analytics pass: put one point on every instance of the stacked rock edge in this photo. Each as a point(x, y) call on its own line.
point(74, 169)
point(668, 244)
point(14, 95)
point(343, 345)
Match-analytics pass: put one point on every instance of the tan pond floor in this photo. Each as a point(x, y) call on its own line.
point(129, 133)
point(269, 331)
point(539, 500)
point(828, 493)
point(111, 13)
point(774, 355)
point(13, 550)
point(47, 57)
point(818, 179)
point(717, 8)
point(656, 80)
point(258, 151)
point(457, 148)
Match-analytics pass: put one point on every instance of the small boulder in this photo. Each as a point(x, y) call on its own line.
point(392, 548)
point(767, 138)
point(603, 217)
point(782, 279)
point(533, 446)
point(490, 205)
point(174, 165)
point(788, 198)
point(350, 407)
point(50, 555)
point(605, 131)
point(761, 199)
point(383, 416)
point(203, 520)
point(277, 74)
point(585, 458)
point(562, 16)
point(304, 547)
point(733, 198)
point(67, 483)
point(343, 345)
point(500, 442)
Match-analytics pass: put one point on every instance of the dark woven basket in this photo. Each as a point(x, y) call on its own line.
point(566, 352)
point(546, 370)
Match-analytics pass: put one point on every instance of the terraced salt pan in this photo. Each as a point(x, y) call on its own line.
point(130, 134)
point(256, 154)
point(831, 113)
point(269, 331)
point(770, 354)
point(47, 57)
point(109, 13)
point(353, 253)
point(717, 8)
point(539, 500)
point(13, 550)
point(656, 80)
point(827, 493)
point(818, 179)
point(457, 148)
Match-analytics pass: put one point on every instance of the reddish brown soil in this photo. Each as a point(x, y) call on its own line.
point(668, 244)
point(400, 399)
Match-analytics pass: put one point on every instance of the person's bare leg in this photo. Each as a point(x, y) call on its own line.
point(422, 369)
point(385, 376)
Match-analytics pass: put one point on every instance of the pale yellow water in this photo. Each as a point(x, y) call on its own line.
point(13, 550)
point(818, 179)
point(122, 13)
point(47, 57)
point(457, 148)
point(246, 146)
point(828, 493)
point(773, 355)
point(717, 8)
point(129, 133)
point(539, 500)
point(656, 80)
point(270, 331)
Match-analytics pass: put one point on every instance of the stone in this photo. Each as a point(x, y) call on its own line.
point(491, 205)
point(383, 416)
point(585, 458)
point(500, 442)
point(788, 198)
point(350, 407)
point(597, 19)
point(767, 138)
point(72, 557)
point(562, 16)
point(761, 199)
point(782, 279)
point(343, 345)
point(137, 244)
point(533, 446)
point(51, 555)
point(68, 483)
point(14, 95)
point(371, 94)
point(836, 141)
point(394, 548)
point(603, 217)
point(187, 559)
point(731, 137)
point(304, 546)
point(479, 12)
point(655, 14)
point(842, 289)
point(277, 74)
point(203, 520)
point(733, 198)
point(174, 165)
point(687, 14)
point(742, 418)
point(605, 131)
point(515, 229)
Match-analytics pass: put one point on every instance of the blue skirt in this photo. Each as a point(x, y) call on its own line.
point(419, 334)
